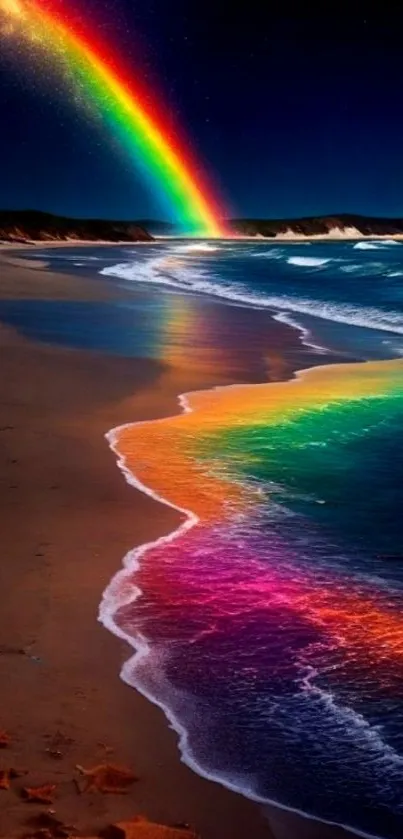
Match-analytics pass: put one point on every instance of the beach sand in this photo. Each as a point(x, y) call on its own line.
point(68, 518)
point(27, 279)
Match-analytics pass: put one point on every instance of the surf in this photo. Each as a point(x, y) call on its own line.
point(177, 269)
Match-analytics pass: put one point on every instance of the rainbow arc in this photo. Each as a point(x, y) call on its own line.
point(135, 117)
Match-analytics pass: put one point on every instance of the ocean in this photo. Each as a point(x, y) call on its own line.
point(270, 625)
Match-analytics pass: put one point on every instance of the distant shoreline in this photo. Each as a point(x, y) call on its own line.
point(32, 227)
point(291, 238)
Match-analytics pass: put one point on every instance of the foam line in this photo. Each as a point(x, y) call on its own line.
point(113, 599)
point(175, 272)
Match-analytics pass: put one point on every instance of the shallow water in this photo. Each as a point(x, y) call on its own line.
point(275, 624)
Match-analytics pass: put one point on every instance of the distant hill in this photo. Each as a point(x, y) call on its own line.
point(29, 226)
point(33, 225)
point(337, 226)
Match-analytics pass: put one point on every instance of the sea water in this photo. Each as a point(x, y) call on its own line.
point(276, 647)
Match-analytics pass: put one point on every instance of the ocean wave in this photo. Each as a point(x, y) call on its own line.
point(273, 253)
point(352, 721)
point(370, 317)
point(374, 246)
point(365, 269)
point(306, 336)
point(166, 270)
point(307, 261)
point(350, 269)
point(173, 271)
point(198, 248)
point(145, 671)
point(66, 256)
point(85, 258)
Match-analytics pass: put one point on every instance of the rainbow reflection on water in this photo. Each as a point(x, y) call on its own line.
point(269, 631)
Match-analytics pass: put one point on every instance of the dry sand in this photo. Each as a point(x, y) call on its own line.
point(68, 518)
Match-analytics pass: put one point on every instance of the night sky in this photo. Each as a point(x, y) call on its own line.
point(294, 112)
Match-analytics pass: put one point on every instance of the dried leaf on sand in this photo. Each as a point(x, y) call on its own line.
point(40, 795)
point(5, 778)
point(7, 775)
point(106, 777)
point(5, 739)
point(141, 828)
point(46, 825)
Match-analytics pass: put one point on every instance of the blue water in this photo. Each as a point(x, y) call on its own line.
point(323, 287)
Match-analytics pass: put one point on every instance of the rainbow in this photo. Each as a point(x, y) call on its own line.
point(136, 119)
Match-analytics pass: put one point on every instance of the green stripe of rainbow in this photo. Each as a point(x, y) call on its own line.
point(193, 460)
point(121, 100)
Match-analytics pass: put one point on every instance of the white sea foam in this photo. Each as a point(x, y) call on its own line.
point(273, 253)
point(365, 269)
point(67, 256)
point(368, 246)
point(352, 721)
point(171, 271)
point(396, 348)
point(121, 591)
point(350, 269)
point(307, 261)
point(369, 317)
point(202, 248)
point(306, 336)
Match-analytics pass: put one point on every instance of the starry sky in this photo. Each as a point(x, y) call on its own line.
point(293, 111)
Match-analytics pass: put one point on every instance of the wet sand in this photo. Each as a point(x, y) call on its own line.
point(27, 279)
point(68, 518)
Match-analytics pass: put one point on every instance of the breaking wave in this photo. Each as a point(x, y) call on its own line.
point(175, 271)
point(374, 246)
point(307, 261)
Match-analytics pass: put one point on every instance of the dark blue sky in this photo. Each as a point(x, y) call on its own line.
point(294, 112)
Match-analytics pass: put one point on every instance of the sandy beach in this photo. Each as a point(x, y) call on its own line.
point(68, 518)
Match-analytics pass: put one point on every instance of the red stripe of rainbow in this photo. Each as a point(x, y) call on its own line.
point(139, 123)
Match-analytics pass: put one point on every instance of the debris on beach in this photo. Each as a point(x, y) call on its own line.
point(106, 778)
point(141, 828)
point(8, 775)
point(59, 744)
point(107, 750)
point(5, 778)
point(6, 649)
point(5, 739)
point(56, 754)
point(39, 795)
point(46, 825)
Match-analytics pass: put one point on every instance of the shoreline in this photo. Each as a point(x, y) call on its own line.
point(235, 813)
point(131, 564)
point(60, 480)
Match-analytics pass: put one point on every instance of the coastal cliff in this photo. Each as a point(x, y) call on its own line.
point(341, 226)
point(28, 226)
